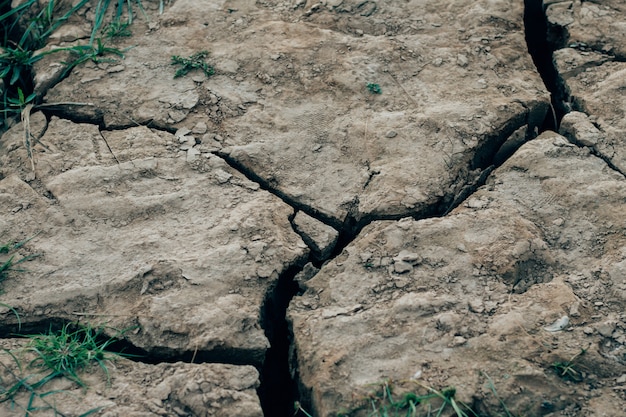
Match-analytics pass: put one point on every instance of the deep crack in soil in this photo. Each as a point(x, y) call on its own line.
point(542, 41)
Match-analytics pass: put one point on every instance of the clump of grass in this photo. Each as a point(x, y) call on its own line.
point(383, 403)
point(117, 29)
point(18, 52)
point(95, 53)
point(71, 349)
point(374, 88)
point(25, 29)
point(568, 370)
point(195, 61)
point(63, 353)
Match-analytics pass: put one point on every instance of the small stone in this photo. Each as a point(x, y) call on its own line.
point(161, 391)
point(402, 267)
point(476, 203)
point(365, 256)
point(200, 128)
point(192, 154)
point(409, 257)
point(177, 115)
point(558, 222)
point(574, 310)
point(391, 134)
point(558, 325)
point(458, 341)
point(462, 60)
point(222, 176)
point(476, 306)
point(117, 68)
point(187, 139)
point(606, 328)
point(265, 272)
point(588, 330)
point(577, 127)
point(401, 282)
point(621, 379)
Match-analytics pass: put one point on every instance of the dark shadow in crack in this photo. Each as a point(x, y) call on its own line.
point(542, 40)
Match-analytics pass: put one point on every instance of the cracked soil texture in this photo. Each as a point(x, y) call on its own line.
point(447, 237)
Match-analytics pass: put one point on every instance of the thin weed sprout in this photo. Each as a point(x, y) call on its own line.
point(492, 387)
point(297, 408)
point(9, 264)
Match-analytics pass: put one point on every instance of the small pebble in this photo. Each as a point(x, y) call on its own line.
point(192, 154)
point(200, 128)
point(402, 267)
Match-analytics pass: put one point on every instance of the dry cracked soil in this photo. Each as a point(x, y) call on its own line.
point(414, 194)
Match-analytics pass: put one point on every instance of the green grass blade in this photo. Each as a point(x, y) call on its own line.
point(101, 9)
point(17, 9)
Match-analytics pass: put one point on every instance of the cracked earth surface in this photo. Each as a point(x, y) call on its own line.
point(276, 232)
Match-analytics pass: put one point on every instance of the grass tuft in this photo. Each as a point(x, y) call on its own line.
point(195, 61)
point(424, 401)
point(374, 88)
point(569, 370)
point(71, 350)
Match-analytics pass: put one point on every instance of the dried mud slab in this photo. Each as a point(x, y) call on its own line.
point(133, 234)
point(482, 291)
point(592, 65)
point(289, 105)
point(133, 389)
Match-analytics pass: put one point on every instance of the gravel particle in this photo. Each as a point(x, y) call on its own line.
point(401, 267)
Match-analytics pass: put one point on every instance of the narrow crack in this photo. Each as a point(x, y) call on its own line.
point(608, 162)
point(265, 185)
point(542, 39)
point(108, 147)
